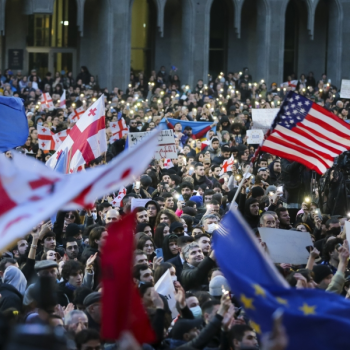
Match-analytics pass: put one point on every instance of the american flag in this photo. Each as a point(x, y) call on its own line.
point(118, 128)
point(307, 133)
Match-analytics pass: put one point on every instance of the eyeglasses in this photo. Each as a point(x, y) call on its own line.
point(69, 216)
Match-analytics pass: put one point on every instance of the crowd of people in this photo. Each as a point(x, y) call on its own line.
point(174, 228)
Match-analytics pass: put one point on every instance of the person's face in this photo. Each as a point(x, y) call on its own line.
point(186, 193)
point(78, 323)
point(215, 208)
point(140, 259)
point(133, 123)
point(169, 203)
point(198, 144)
point(164, 218)
point(226, 154)
point(49, 243)
point(146, 276)
point(173, 248)
point(196, 231)
point(101, 242)
point(263, 174)
point(195, 256)
point(277, 167)
point(200, 171)
point(76, 279)
point(72, 250)
point(148, 231)
point(51, 272)
point(166, 231)
point(301, 228)
point(269, 221)
point(112, 216)
point(148, 248)
point(69, 218)
point(161, 204)
point(178, 127)
point(217, 172)
point(51, 255)
point(215, 144)
point(205, 245)
point(262, 164)
point(254, 209)
point(192, 302)
point(249, 340)
point(142, 217)
point(207, 198)
point(22, 246)
point(284, 218)
point(166, 178)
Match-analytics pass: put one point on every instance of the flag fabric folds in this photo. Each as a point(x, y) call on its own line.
point(196, 126)
point(118, 128)
point(47, 140)
point(313, 318)
point(307, 133)
point(62, 103)
point(31, 192)
point(76, 114)
point(13, 123)
point(122, 308)
point(227, 166)
point(86, 140)
point(46, 101)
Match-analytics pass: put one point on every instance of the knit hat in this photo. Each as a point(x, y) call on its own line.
point(92, 298)
point(225, 148)
point(215, 286)
point(198, 200)
point(321, 272)
point(257, 191)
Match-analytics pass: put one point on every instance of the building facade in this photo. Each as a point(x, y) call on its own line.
point(274, 38)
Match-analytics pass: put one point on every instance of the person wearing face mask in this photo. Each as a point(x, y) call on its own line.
point(210, 222)
point(193, 304)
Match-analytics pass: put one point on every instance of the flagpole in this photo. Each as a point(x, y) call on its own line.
point(240, 185)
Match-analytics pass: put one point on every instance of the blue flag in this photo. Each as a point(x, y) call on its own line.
point(196, 126)
point(61, 165)
point(13, 123)
point(313, 318)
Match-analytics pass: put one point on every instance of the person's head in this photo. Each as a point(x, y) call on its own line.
point(257, 192)
point(204, 242)
point(199, 169)
point(186, 190)
point(75, 320)
point(140, 257)
point(267, 220)
point(283, 216)
point(46, 268)
point(208, 194)
point(22, 246)
point(210, 222)
point(322, 275)
point(143, 273)
point(71, 248)
point(102, 210)
point(277, 166)
point(243, 336)
point(97, 237)
point(186, 329)
point(145, 228)
point(49, 241)
point(262, 162)
point(332, 223)
point(193, 254)
point(146, 244)
point(92, 305)
point(88, 339)
point(209, 310)
point(215, 143)
point(72, 272)
point(169, 201)
point(216, 170)
point(330, 250)
point(166, 216)
point(141, 215)
point(152, 208)
point(127, 201)
point(112, 215)
point(162, 268)
point(263, 173)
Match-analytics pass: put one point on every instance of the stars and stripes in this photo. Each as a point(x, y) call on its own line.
point(118, 128)
point(307, 133)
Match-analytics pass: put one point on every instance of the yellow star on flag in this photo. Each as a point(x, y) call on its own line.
point(255, 326)
point(259, 290)
point(247, 302)
point(308, 309)
point(282, 301)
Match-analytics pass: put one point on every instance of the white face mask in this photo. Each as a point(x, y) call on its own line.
point(174, 278)
point(94, 216)
point(196, 311)
point(211, 228)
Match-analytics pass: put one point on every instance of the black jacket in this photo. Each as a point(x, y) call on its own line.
point(178, 266)
point(196, 278)
point(10, 297)
point(203, 182)
point(65, 295)
point(88, 251)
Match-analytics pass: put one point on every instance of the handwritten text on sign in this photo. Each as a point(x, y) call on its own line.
point(166, 143)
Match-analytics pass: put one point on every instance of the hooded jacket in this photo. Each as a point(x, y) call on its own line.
point(252, 220)
point(224, 119)
point(213, 152)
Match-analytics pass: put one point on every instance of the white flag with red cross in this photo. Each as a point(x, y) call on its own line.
point(47, 140)
point(292, 84)
point(117, 201)
point(86, 140)
point(168, 164)
point(46, 101)
point(63, 134)
point(227, 166)
point(118, 128)
point(30, 192)
point(62, 103)
point(76, 114)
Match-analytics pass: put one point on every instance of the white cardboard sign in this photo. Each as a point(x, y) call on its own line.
point(263, 118)
point(165, 287)
point(285, 246)
point(139, 202)
point(166, 148)
point(255, 137)
point(345, 88)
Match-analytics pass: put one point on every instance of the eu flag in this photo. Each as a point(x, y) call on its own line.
point(13, 123)
point(314, 319)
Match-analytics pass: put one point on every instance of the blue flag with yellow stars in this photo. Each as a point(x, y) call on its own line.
point(314, 319)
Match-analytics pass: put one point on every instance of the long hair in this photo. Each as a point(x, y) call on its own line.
point(170, 214)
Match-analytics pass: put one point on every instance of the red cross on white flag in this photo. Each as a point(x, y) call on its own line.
point(227, 166)
point(117, 201)
point(63, 134)
point(86, 140)
point(46, 101)
point(47, 140)
point(63, 100)
point(76, 114)
point(292, 84)
point(119, 129)
point(168, 164)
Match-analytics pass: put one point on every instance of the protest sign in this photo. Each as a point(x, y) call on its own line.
point(263, 118)
point(286, 246)
point(165, 287)
point(139, 202)
point(166, 143)
point(345, 88)
point(255, 137)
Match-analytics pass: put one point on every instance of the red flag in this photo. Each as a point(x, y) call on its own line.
point(122, 309)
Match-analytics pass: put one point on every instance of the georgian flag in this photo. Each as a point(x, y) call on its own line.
point(117, 201)
point(168, 164)
point(118, 128)
point(63, 134)
point(227, 166)
point(47, 140)
point(46, 101)
point(76, 114)
point(292, 84)
point(63, 100)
